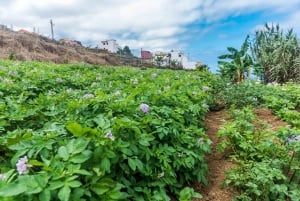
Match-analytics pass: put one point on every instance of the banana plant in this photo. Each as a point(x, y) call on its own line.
point(236, 65)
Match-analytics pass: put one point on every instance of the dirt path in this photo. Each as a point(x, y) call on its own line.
point(217, 164)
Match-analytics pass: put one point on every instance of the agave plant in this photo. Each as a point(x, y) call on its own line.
point(277, 54)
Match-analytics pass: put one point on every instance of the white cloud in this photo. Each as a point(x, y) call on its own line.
point(145, 24)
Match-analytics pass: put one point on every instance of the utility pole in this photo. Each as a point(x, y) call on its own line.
point(52, 33)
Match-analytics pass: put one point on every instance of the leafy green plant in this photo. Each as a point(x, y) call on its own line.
point(277, 54)
point(84, 132)
point(239, 66)
point(267, 162)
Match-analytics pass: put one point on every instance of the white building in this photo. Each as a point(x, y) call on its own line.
point(110, 45)
point(177, 57)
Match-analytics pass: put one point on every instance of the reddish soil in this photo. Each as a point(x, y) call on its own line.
point(268, 117)
point(218, 164)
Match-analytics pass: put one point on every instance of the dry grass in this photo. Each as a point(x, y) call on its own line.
point(36, 48)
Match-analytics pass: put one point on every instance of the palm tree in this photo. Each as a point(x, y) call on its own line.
point(237, 64)
point(159, 60)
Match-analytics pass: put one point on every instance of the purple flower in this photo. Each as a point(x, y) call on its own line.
point(144, 107)
point(205, 88)
point(59, 80)
point(200, 140)
point(22, 166)
point(294, 139)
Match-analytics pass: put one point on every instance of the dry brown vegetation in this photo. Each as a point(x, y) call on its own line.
point(32, 47)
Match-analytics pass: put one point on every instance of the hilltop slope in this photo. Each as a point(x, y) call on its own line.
point(32, 47)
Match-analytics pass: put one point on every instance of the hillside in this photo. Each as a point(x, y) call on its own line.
point(32, 47)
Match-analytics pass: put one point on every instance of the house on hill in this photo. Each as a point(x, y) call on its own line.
point(174, 58)
point(146, 56)
point(110, 45)
point(182, 59)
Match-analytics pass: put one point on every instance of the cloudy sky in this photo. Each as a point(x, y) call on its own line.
point(201, 28)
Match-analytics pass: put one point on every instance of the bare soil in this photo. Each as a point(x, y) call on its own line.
point(267, 116)
point(218, 163)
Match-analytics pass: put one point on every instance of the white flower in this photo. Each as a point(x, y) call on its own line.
point(86, 96)
point(69, 90)
point(135, 81)
point(204, 105)
point(94, 84)
point(160, 175)
point(59, 80)
point(205, 88)
point(109, 135)
point(117, 93)
point(2, 177)
point(154, 75)
point(167, 88)
point(200, 140)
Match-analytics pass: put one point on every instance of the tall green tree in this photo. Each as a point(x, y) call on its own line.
point(236, 65)
point(125, 51)
point(277, 54)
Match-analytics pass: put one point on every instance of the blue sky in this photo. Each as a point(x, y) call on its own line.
point(203, 29)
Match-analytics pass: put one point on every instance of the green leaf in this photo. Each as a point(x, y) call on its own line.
point(45, 195)
point(117, 195)
point(144, 142)
point(132, 164)
point(139, 164)
point(80, 158)
point(64, 193)
point(188, 193)
point(74, 184)
point(75, 128)
point(33, 183)
point(63, 153)
point(12, 189)
point(105, 164)
point(99, 190)
point(55, 185)
point(83, 172)
point(76, 146)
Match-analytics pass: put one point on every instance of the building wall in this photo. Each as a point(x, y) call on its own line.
point(181, 58)
point(110, 45)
